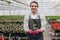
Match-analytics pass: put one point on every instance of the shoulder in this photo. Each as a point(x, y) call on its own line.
point(42, 16)
point(26, 17)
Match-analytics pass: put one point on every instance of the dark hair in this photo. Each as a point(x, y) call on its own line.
point(34, 2)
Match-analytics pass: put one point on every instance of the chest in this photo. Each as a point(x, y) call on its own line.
point(34, 23)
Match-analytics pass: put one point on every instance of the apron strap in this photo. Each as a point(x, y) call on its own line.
point(39, 19)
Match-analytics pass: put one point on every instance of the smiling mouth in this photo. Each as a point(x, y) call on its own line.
point(33, 9)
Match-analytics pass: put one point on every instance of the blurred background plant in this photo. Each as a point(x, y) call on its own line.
point(8, 1)
point(11, 24)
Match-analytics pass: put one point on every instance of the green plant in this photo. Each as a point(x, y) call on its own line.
point(12, 24)
point(52, 17)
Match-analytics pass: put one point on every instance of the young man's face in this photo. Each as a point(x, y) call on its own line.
point(34, 7)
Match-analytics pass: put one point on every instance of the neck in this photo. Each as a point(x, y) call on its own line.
point(34, 13)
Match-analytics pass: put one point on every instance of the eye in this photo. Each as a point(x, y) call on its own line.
point(34, 6)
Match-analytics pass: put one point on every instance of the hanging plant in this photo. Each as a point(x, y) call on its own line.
point(2, 0)
point(8, 1)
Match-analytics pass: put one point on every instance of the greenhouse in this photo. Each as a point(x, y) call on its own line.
point(12, 13)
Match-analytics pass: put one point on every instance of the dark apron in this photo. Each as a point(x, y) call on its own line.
point(33, 25)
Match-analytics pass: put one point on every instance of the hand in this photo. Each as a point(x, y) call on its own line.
point(39, 30)
point(31, 32)
point(34, 33)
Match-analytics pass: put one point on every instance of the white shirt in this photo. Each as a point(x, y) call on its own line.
point(26, 19)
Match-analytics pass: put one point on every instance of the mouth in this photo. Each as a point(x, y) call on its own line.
point(33, 9)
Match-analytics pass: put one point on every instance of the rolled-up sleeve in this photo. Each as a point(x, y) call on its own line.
point(26, 18)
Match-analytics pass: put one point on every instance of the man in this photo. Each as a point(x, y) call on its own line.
point(34, 24)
